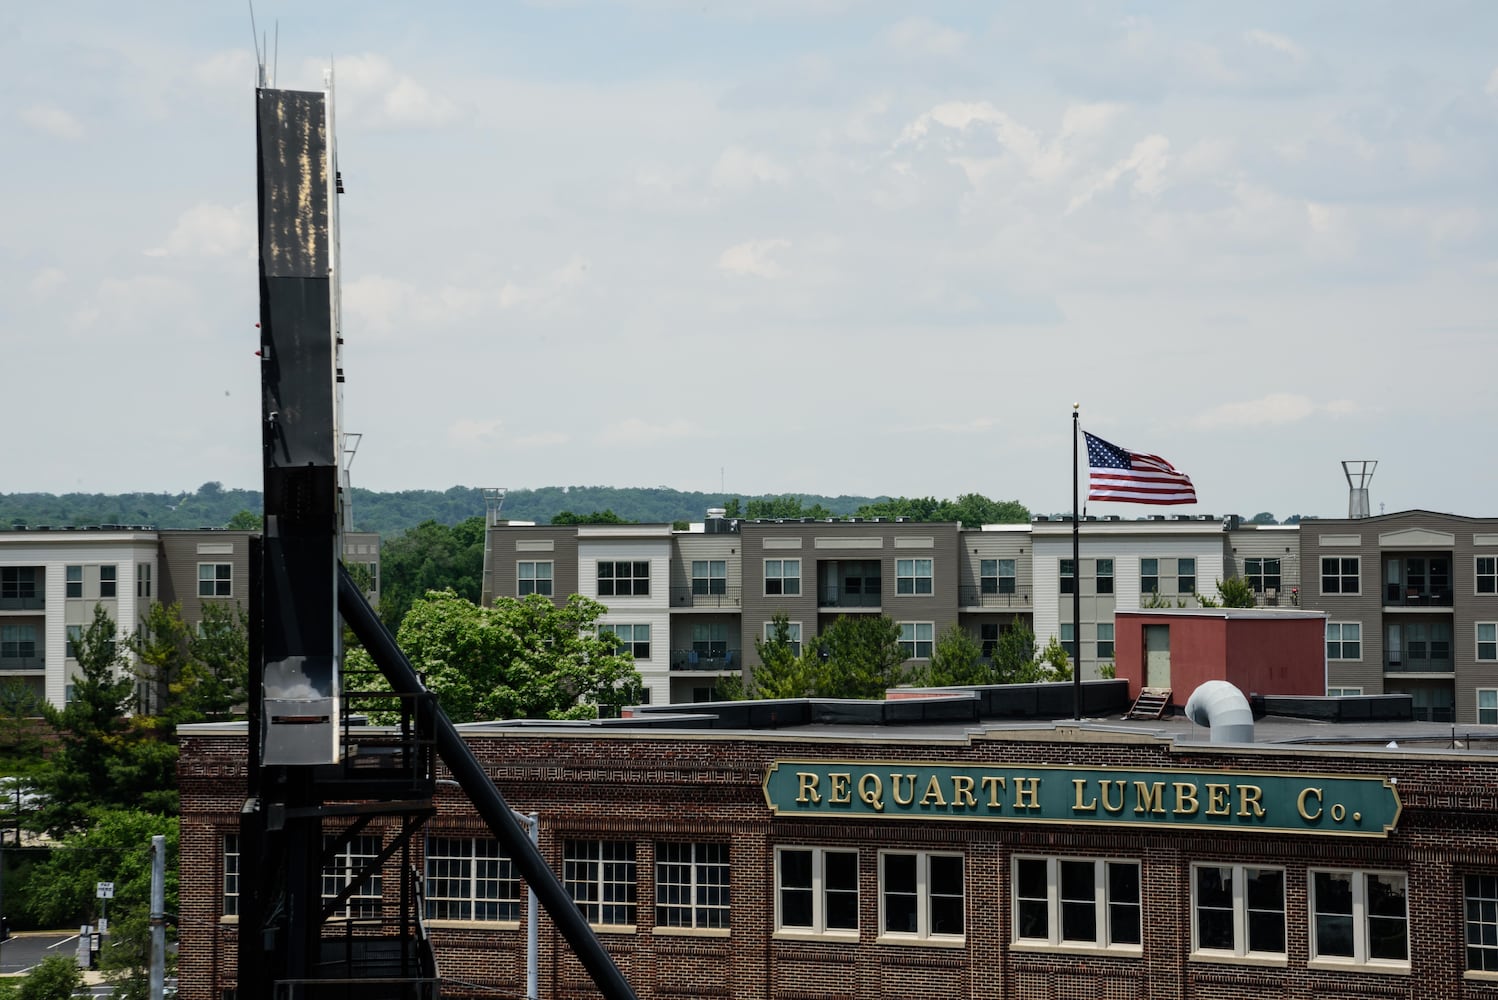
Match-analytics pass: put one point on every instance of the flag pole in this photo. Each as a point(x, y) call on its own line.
point(1076, 570)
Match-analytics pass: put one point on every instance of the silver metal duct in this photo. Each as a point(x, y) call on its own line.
point(1222, 708)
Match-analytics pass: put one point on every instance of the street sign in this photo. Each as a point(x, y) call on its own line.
point(105, 890)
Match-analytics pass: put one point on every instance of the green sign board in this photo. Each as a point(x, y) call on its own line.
point(1165, 798)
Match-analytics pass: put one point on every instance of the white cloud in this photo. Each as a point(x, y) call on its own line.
point(639, 432)
point(209, 230)
point(1044, 161)
point(1278, 43)
point(548, 287)
point(46, 281)
point(371, 90)
point(542, 439)
point(921, 36)
point(378, 306)
point(53, 121)
point(1146, 161)
point(1492, 86)
point(739, 169)
point(1274, 409)
point(473, 432)
point(222, 70)
point(753, 258)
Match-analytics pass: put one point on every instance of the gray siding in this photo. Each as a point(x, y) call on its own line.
point(511, 544)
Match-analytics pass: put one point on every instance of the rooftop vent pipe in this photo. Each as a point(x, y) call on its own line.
point(1222, 708)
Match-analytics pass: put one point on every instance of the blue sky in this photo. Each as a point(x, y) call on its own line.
point(819, 246)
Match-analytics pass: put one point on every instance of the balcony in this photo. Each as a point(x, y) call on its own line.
point(710, 594)
point(1400, 597)
point(987, 597)
point(23, 663)
point(839, 598)
point(31, 602)
point(716, 661)
point(1410, 663)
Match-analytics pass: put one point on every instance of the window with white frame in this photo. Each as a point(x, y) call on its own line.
point(996, 576)
point(1480, 893)
point(1104, 574)
point(1149, 576)
point(782, 577)
point(1066, 572)
point(1487, 575)
point(913, 576)
point(1080, 902)
point(623, 579)
point(1069, 640)
point(691, 886)
point(231, 874)
point(1487, 641)
point(1105, 640)
point(1339, 575)
point(633, 639)
point(1240, 910)
point(73, 579)
point(467, 878)
point(1360, 917)
point(792, 635)
point(1343, 692)
point(1185, 576)
point(533, 578)
point(346, 866)
point(109, 581)
point(215, 579)
point(921, 895)
point(143, 580)
point(709, 576)
point(1487, 706)
point(1344, 641)
point(816, 890)
point(18, 642)
point(917, 639)
point(1262, 573)
point(600, 876)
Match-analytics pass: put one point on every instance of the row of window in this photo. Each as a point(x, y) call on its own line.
point(21, 582)
point(1151, 574)
point(1410, 644)
point(1238, 910)
point(1409, 575)
point(917, 639)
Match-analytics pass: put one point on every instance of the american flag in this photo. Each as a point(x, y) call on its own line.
point(1117, 474)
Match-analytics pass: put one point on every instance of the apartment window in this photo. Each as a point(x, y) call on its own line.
point(916, 639)
point(633, 639)
point(921, 895)
point(1344, 692)
point(1360, 917)
point(913, 576)
point(623, 579)
point(1487, 706)
point(1185, 576)
point(1487, 574)
point(17, 582)
point(344, 867)
point(108, 581)
point(1344, 641)
point(73, 576)
point(1240, 910)
point(816, 890)
point(782, 577)
point(709, 576)
point(17, 642)
point(1262, 574)
point(231, 874)
point(1149, 576)
point(996, 576)
point(709, 639)
point(1105, 641)
point(1481, 896)
point(1339, 576)
point(793, 635)
point(1105, 576)
point(1069, 639)
point(1487, 640)
point(1076, 901)
point(215, 580)
point(467, 878)
point(988, 637)
point(600, 876)
point(143, 580)
point(75, 636)
point(533, 578)
point(1068, 576)
point(691, 885)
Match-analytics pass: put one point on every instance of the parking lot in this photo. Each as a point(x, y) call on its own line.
point(23, 951)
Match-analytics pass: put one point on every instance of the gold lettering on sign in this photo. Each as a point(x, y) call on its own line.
point(1108, 804)
point(1027, 793)
point(933, 794)
point(1079, 786)
point(1300, 803)
point(1185, 798)
point(1251, 801)
point(871, 792)
point(839, 794)
point(894, 785)
point(962, 791)
point(1217, 799)
point(1149, 798)
point(808, 786)
point(993, 784)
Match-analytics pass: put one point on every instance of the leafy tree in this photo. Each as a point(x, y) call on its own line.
point(781, 673)
point(19, 706)
point(1263, 517)
point(246, 520)
point(1236, 593)
point(861, 657)
point(1053, 664)
point(522, 658)
point(220, 663)
point(788, 506)
point(731, 507)
point(971, 509)
point(55, 977)
point(957, 658)
point(430, 556)
point(160, 647)
point(597, 517)
point(1014, 655)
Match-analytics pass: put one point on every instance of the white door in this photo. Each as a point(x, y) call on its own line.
point(1157, 656)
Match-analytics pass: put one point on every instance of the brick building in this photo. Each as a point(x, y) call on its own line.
point(961, 858)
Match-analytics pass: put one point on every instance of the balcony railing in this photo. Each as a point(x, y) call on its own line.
point(981, 597)
point(1406, 664)
point(23, 662)
point(707, 594)
point(36, 602)
point(1397, 597)
point(717, 660)
point(843, 599)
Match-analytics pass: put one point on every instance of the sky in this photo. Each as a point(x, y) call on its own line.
point(775, 246)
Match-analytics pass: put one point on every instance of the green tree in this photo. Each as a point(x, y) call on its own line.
point(55, 977)
point(522, 658)
point(788, 506)
point(957, 658)
point(1014, 655)
point(597, 517)
point(1236, 592)
point(430, 556)
point(1053, 664)
point(219, 666)
point(246, 520)
point(861, 657)
point(160, 647)
point(20, 706)
point(781, 672)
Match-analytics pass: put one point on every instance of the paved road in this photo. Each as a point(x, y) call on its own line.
point(23, 951)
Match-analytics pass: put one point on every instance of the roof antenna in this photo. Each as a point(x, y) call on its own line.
point(275, 58)
point(259, 55)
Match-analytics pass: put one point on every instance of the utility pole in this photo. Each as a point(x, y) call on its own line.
point(158, 916)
